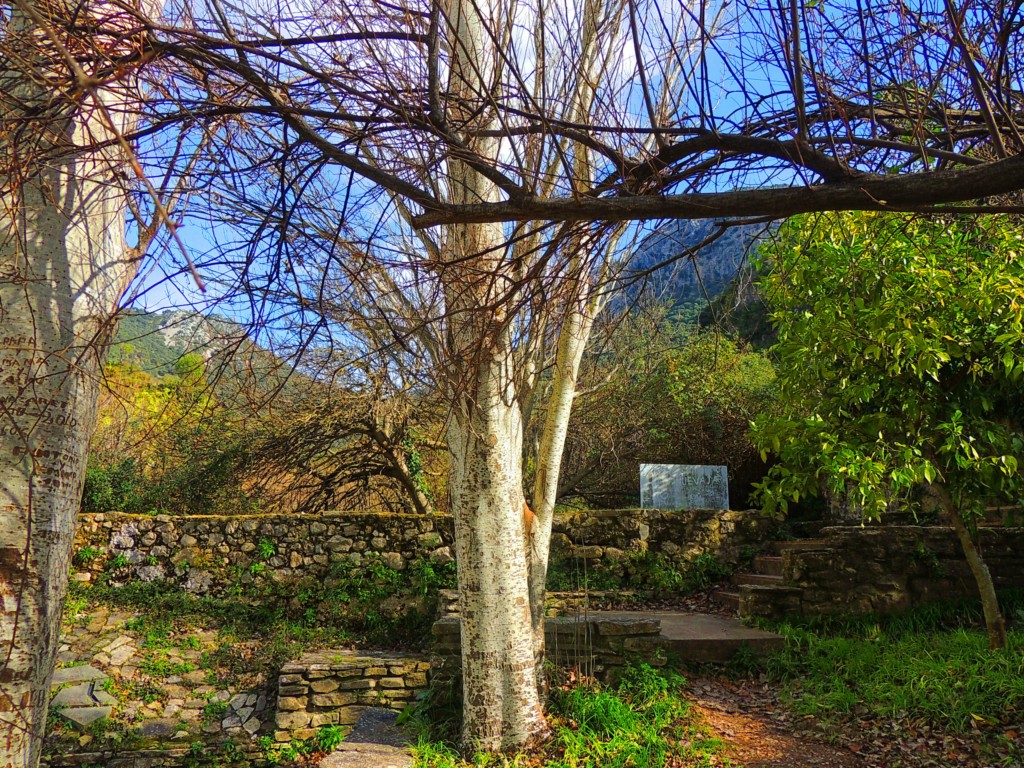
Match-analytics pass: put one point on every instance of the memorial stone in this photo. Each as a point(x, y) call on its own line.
point(683, 486)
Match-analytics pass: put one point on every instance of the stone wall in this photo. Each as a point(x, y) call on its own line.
point(608, 537)
point(597, 645)
point(215, 554)
point(884, 569)
point(334, 687)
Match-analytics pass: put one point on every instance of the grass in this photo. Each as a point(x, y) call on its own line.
point(644, 721)
point(931, 665)
point(372, 605)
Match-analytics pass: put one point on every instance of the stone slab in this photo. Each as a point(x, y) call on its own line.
point(80, 674)
point(704, 637)
point(684, 486)
point(83, 717)
point(82, 695)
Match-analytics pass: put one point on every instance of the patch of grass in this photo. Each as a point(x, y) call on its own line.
point(214, 710)
point(85, 556)
point(932, 665)
point(644, 721)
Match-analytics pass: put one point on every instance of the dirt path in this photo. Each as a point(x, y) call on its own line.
point(760, 733)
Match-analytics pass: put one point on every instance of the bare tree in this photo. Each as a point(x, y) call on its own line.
point(384, 142)
point(65, 105)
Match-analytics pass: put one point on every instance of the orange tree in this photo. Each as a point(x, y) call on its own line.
point(901, 354)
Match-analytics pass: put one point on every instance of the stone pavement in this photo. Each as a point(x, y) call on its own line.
point(376, 741)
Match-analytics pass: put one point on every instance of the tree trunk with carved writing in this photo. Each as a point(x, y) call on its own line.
point(64, 266)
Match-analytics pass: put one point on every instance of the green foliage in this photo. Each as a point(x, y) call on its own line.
point(86, 555)
point(265, 549)
point(644, 721)
point(901, 354)
point(663, 392)
point(111, 484)
point(165, 444)
point(643, 571)
point(214, 710)
point(942, 677)
point(329, 737)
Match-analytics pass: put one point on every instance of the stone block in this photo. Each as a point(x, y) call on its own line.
point(416, 679)
point(293, 690)
point(333, 700)
point(288, 703)
point(391, 682)
point(293, 720)
point(326, 685)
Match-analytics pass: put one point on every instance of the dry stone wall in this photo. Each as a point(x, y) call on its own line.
point(333, 688)
point(209, 554)
point(884, 569)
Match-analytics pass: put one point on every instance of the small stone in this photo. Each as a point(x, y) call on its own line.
point(84, 740)
point(179, 735)
point(187, 541)
point(211, 728)
point(232, 721)
point(322, 686)
point(251, 726)
point(392, 682)
point(163, 728)
point(221, 696)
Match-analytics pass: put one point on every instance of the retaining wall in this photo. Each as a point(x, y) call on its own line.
point(884, 569)
point(215, 554)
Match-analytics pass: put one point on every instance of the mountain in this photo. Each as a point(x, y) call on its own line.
point(155, 341)
point(715, 287)
point(716, 265)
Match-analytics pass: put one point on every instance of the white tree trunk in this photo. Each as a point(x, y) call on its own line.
point(501, 704)
point(65, 266)
point(572, 342)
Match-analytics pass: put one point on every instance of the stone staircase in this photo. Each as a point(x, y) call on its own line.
point(765, 578)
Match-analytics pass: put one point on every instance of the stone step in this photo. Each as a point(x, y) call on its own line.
point(768, 600)
point(752, 579)
point(770, 565)
point(728, 598)
point(80, 674)
point(781, 546)
point(705, 638)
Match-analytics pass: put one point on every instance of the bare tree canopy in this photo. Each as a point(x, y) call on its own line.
point(697, 109)
point(324, 141)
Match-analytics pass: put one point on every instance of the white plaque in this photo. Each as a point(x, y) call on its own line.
point(683, 486)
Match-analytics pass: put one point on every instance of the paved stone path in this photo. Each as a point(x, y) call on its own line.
point(376, 741)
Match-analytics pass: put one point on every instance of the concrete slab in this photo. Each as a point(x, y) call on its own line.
point(704, 637)
point(81, 674)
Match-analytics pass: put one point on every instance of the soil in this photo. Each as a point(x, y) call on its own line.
point(759, 732)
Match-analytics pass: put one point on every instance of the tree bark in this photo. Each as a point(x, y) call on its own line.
point(994, 621)
point(65, 266)
point(501, 704)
